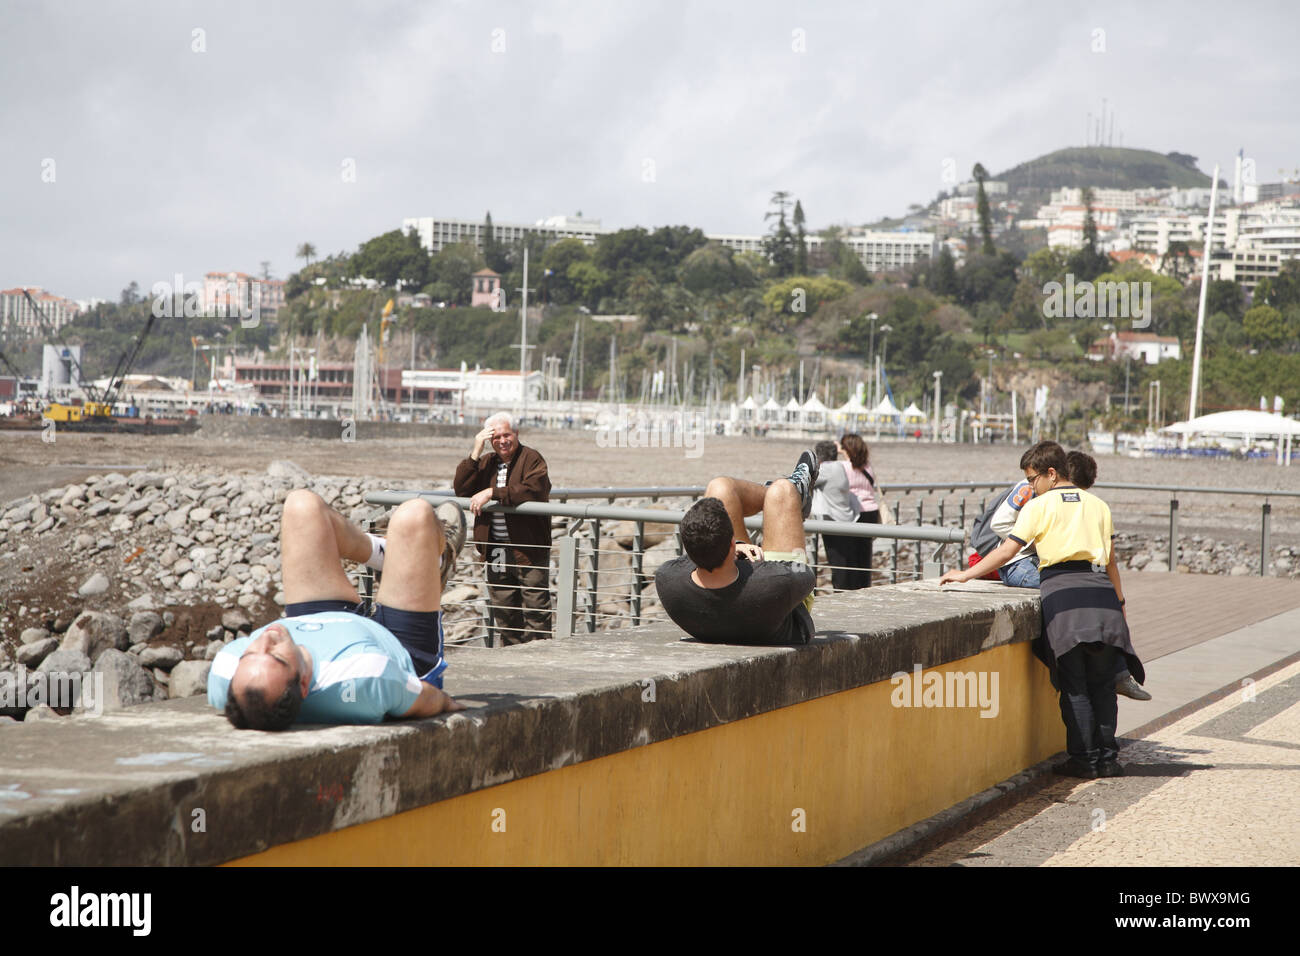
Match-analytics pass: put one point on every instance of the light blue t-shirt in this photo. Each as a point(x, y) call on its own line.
point(360, 672)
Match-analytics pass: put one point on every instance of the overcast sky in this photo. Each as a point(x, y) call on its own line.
point(172, 150)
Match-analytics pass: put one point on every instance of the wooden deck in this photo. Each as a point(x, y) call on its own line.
point(1169, 611)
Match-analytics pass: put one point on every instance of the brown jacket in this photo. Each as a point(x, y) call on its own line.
point(526, 480)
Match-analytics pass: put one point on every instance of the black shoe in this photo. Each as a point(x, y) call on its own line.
point(803, 477)
point(1130, 688)
point(1076, 768)
point(1109, 768)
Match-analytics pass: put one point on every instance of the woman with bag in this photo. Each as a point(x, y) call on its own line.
point(862, 482)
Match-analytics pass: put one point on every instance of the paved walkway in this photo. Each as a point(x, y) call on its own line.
point(1213, 762)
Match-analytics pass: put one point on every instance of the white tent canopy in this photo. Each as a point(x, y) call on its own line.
point(886, 407)
point(1247, 423)
point(912, 413)
point(1242, 421)
point(814, 404)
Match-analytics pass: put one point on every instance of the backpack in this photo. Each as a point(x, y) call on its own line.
point(983, 538)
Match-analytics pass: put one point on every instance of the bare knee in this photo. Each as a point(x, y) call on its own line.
point(302, 506)
point(415, 518)
point(781, 492)
point(721, 487)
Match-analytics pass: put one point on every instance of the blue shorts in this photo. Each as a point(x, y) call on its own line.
point(419, 632)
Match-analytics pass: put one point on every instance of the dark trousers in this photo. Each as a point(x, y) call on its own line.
point(1089, 708)
point(521, 593)
point(852, 557)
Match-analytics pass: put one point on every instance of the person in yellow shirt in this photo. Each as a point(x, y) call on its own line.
point(1083, 609)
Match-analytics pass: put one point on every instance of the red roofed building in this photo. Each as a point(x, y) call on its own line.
point(1145, 346)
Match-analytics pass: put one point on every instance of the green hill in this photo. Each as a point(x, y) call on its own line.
point(1107, 167)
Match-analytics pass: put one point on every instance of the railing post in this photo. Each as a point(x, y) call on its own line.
point(1264, 548)
point(934, 567)
point(593, 577)
point(893, 569)
point(920, 552)
point(638, 551)
point(1173, 534)
point(566, 582)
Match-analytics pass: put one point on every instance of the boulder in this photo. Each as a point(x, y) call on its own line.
point(94, 632)
point(31, 635)
point(97, 583)
point(164, 658)
point(125, 682)
point(144, 626)
point(30, 655)
point(41, 712)
point(235, 619)
point(188, 679)
point(65, 661)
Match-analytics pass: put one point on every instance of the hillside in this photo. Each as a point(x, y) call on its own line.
point(1107, 167)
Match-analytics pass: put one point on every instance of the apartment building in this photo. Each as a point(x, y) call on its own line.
point(18, 318)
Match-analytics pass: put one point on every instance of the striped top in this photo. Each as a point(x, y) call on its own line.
point(499, 532)
point(860, 486)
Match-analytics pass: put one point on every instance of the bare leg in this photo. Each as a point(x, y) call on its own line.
point(414, 543)
point(741, 499)
point(782, 517)
point(313, 540)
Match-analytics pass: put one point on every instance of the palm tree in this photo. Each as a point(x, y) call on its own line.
point(306, 252)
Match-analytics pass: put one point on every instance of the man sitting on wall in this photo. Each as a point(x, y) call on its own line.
point(725, 590)
point(325, 663)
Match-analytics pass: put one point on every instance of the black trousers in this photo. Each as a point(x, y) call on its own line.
point(851, 556)
point(1089, 708)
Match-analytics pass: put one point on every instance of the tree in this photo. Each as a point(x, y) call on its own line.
point(306, 252)
point(1087, 263)
point(1177, 261)
point(266, 268)
point(982, 208)
point(942, 279)
point(494, 253)
point(131, 294)
point(779, 244)
point(556, 263)
point(395, 256)
point(801, 245)
point(1224, 295)
point(452, 271)
point(1264, 326)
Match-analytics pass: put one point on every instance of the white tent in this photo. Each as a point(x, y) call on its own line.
point(913, 415)
point(813, 411)
point(771, 411)
point(850, 412)
point(1245, 422)
point(792, 408)
point(747, 409)
point(886, 411)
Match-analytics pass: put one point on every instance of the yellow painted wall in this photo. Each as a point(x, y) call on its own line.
point(857, 767)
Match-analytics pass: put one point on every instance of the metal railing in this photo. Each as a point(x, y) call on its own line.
point(581, 539)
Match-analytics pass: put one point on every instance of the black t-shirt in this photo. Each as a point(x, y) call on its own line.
point(764, 605)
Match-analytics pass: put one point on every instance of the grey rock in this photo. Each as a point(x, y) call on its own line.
point(142, 603)
point(31, 635)
point(182, 566)
point(125, 682)
point(30, 655)
point(65, 661)
point(189, 582)
point(213, 649)
point(94, 632)
point(1156, 566)
point(235, 619)
point(168, 618)
point(83, 542)
point(41, 712)
point(144, 626)
point(97, 509)
point(97, 583)
point(1239, 571)
point(161, 657)
point(287, 469)
point(188, 679)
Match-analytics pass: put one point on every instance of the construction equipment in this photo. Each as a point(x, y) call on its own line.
point(99, 404)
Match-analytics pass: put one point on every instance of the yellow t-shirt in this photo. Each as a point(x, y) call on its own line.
point(1066, 524)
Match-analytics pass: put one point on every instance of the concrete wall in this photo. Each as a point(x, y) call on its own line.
point(257, 426)
point(633, 747)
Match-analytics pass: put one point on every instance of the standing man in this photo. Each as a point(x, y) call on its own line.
point(515, 547)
